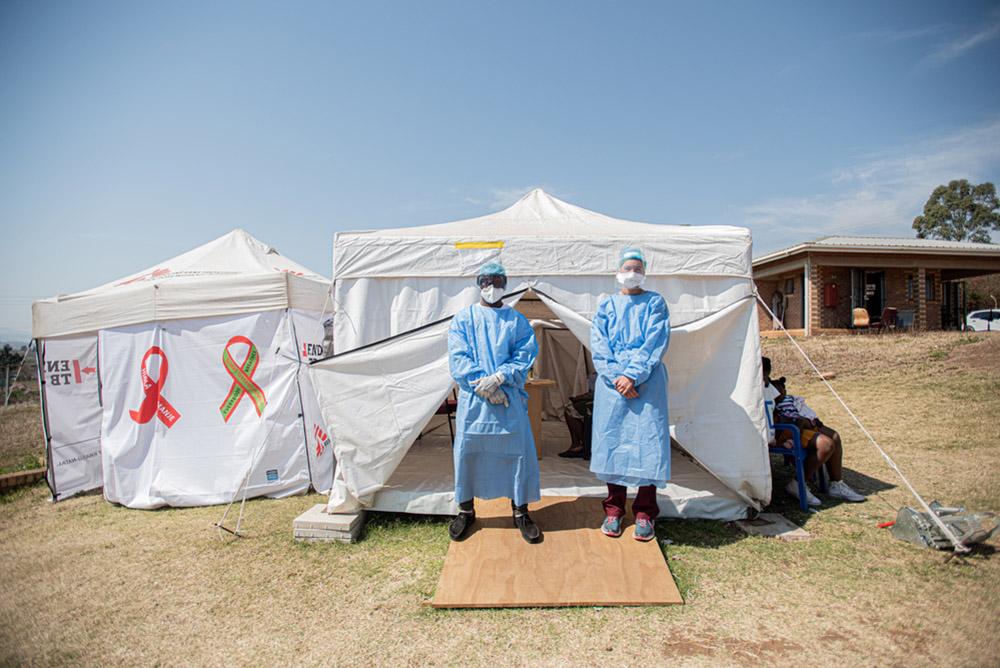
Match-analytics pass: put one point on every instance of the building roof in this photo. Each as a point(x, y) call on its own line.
point(862, 244)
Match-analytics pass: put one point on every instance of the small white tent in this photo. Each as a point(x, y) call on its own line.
point(395, 290)
point(175, 384)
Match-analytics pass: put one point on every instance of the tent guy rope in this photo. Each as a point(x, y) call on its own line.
point(959, 547)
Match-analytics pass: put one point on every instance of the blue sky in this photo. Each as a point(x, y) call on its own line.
point(132, 131)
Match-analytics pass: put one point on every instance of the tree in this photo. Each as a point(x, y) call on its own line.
point(960, 211)
point(8, 357)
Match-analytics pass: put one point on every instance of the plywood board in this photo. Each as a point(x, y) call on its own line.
point(575, 565)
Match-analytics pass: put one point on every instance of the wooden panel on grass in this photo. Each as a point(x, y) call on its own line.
point(575, 565)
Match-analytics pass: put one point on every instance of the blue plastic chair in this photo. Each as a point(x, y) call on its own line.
point(798, 455)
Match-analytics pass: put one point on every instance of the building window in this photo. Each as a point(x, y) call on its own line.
point(911, 287)
point(929, 288)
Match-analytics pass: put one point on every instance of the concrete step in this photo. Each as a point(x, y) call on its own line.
point(317, 525)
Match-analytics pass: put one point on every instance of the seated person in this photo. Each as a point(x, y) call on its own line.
point(577, 411)
point(822, 444)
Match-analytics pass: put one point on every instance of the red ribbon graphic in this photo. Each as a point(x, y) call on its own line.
point(155, 403)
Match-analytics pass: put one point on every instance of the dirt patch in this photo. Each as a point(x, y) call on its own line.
point(741, 650)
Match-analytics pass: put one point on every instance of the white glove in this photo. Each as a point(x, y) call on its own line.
point(486, 385)
point(498, 396)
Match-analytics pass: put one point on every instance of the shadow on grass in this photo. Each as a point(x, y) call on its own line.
point(784, 503)
point(710, 534)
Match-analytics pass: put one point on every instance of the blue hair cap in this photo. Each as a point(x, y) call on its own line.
point(492, 269)
point(631, 253)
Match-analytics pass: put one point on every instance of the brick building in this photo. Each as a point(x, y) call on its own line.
point(815, 285)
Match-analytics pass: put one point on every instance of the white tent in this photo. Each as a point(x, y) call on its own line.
point(175, 384)
point(394, 291)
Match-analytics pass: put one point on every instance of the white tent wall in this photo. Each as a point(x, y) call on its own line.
point(188, 446)
point(71, 413)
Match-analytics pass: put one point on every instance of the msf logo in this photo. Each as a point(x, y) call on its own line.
point(312, 351)
point(67, 372)
point(322, 440)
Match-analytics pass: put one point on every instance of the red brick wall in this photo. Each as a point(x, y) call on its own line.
point(838, 316)
point(793, 312)
point(765, 289)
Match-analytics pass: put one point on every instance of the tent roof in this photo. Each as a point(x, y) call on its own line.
point(234, 274)
point(532, 236)
point(540, 214)
point(232, 254)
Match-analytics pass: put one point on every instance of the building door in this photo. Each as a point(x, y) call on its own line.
point(873, 294)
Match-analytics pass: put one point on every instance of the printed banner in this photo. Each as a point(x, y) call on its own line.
point(191, 405)
point(73, 412)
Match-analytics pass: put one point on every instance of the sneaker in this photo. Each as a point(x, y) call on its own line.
point(840, 490)
point(612, 526)
point(793, 488)
point(529, 530)
point(459, 526)
point(644, 529)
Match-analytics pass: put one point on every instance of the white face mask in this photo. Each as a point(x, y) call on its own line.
point(491, 294)
point(631, 279)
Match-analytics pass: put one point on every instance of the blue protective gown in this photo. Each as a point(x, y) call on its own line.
point(631, 437)
point(494, 448)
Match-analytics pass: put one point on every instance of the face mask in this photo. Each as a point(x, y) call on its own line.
point(491, 294)
point(631, 279)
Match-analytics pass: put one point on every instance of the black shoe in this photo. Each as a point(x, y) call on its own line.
point(459, 526)
point(529, 530)
point(572, 453)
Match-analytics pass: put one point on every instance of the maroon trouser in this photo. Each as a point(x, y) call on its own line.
point(644, 505)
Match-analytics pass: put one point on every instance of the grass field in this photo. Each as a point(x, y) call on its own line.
point(87, 583)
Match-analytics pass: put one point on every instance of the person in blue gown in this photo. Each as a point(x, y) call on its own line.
point(491, 347)
point(631, 432)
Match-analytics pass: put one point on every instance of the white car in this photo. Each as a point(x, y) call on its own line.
point(987, 320)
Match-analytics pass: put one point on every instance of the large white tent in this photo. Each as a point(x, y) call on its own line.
point(394, 292)
point(176, 384)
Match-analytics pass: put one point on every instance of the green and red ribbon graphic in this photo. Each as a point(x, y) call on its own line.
point(242, 375)
point(154, 403)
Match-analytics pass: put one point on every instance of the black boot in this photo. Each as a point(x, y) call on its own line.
point(529, 530)
point(466, 517)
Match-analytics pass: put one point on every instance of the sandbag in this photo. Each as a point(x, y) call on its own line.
point(918, 528)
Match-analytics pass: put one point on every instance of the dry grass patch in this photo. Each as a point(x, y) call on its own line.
point(21, 439)
point(88, 583)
